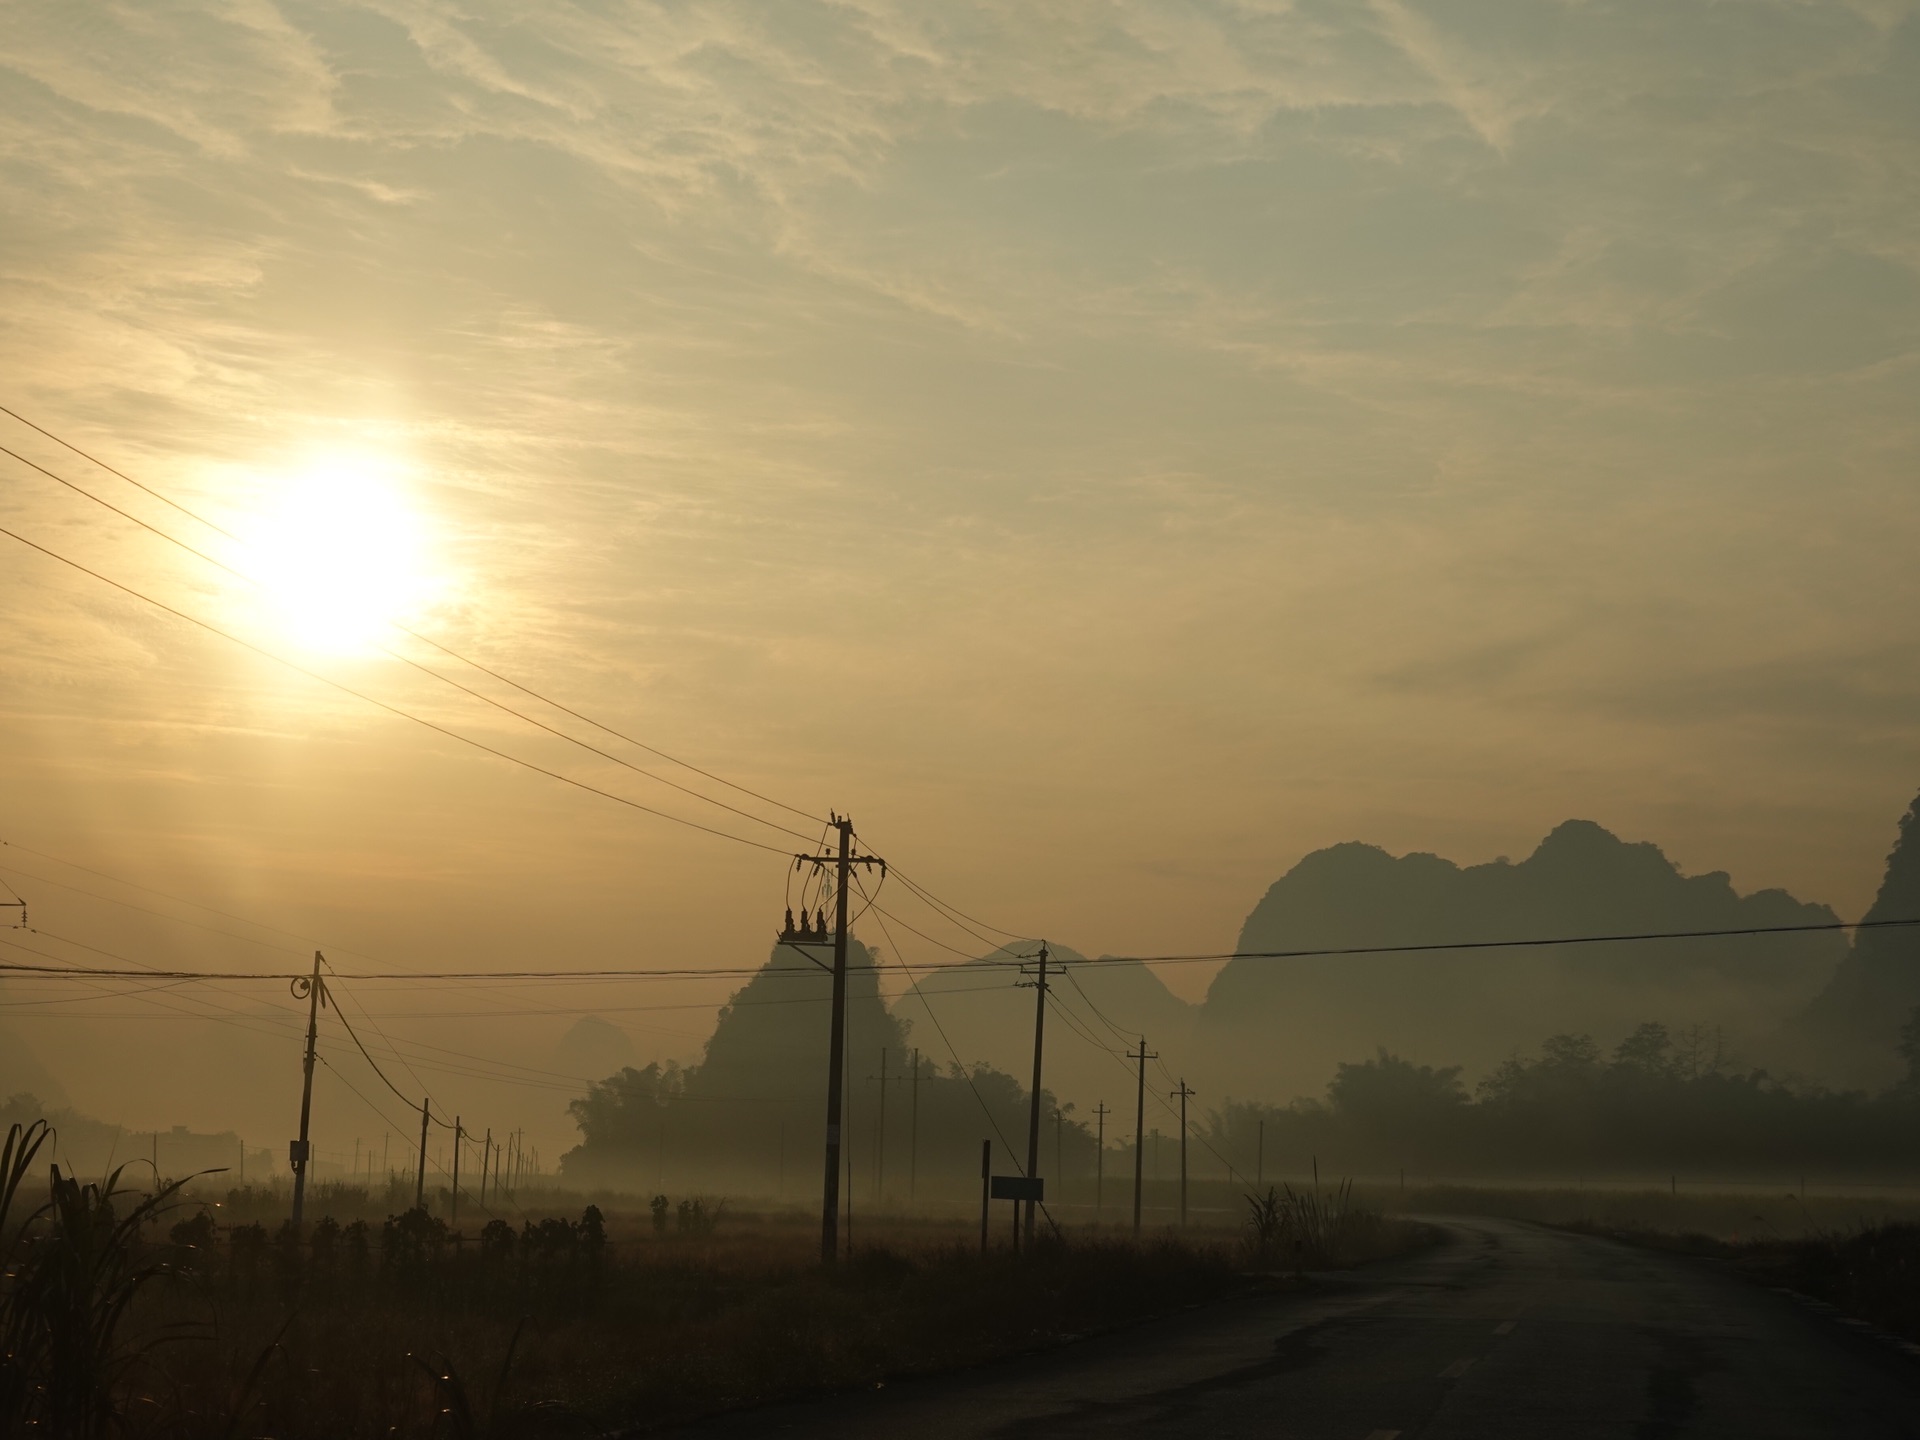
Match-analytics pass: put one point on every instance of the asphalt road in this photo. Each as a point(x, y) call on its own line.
point(1505, 1331)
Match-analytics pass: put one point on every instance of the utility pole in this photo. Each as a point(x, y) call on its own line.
point(880, 1147)
point(986, 1182)
point(1040, 988)
point(1139, 1125)
point(486, 1154)
point(454, 1218)
point(1100, 1113)
point(1183, 1092)
point(301, 1151)
point(420, 1175)
point(913, 1133)
point(837, 1036)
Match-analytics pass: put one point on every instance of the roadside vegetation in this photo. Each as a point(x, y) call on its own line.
point(179, 1313)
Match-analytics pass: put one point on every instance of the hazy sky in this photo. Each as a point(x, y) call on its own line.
point(1111, 449)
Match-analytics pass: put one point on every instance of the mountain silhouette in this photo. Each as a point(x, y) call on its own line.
point(1098, 1012)
point(1274, 1028)
point(1849, 1032)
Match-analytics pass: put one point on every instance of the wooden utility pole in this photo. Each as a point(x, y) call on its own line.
point(837, 1034)
point(1100, 1113)
point(986, 1189)
point(1183, 1092)
point(454, 1217)
point(1139, 1125)
point(880, 1140)
point(486, 1155)
point(420, 1175)
point(1033, 1112)
point(301, 1151)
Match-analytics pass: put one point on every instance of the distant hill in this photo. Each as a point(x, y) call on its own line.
point(983, 1016)
point(1848, 1033)
point(1275, 1028)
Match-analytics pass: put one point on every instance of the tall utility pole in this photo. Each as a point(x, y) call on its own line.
point(1100, 1113)
point(420, 1175)
point(1033, 1114)
point(837, 1035)
point(1139, 1125)
point(913, 1133)
point(1183, 1092)
point(486, 1154)
point(301, 1151)
point(454, 1218)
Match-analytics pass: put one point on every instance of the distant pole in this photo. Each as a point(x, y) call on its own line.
point(1183, 1092)
point(486, 1154)
point(385, 1139)
point(913, 1134)
point(1139, 1125)
point(454, 1217)
point(420, 1175)
point(1033, 1109)
point(1059, 1171)
point(1100, 1113)
point(986, 1189)
point(302, 1148)
point(880, 1144)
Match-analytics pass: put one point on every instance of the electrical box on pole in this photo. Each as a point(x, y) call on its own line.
point(843, 863)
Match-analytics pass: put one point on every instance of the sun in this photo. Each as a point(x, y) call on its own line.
point(342, 553)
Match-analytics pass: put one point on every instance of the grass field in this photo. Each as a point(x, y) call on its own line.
point(564, 1323)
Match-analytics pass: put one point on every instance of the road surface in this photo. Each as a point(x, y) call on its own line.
point(1507, 1330)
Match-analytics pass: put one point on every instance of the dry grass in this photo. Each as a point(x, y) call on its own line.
point(621, 1320)
point(659, 1329)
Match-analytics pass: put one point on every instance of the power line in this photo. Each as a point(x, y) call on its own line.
point(690, 973)
point(958, 1064)
point(383, 705)
point(954, 912)
point(405, 630)
point(1750, 930)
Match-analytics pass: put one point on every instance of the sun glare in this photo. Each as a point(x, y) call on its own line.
point(342, 553)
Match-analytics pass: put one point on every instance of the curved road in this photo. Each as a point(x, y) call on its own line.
point(1505, 1331)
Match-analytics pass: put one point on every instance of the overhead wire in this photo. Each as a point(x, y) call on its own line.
point(383, 705)
point(406, 630)
point(958, 1064)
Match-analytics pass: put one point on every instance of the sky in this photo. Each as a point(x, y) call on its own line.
point(1110, 450)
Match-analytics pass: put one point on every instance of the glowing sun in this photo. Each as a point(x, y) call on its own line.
point(342, 554)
